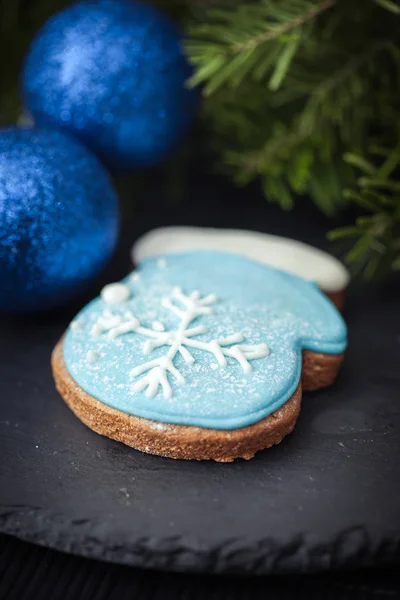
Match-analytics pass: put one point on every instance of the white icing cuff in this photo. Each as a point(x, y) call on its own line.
point(286, 254)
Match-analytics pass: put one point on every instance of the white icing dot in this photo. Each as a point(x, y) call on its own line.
point(92, 356)
point(114, 293)
point(136, 277)
point(161, 263)
point(76, 325)
point(214, 366)
point(158, 326)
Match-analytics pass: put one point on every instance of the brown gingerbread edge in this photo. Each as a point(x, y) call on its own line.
point(188, 442)
point(337, 298)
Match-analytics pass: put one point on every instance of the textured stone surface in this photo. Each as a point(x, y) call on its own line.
point(327, 497)
point(60, 575)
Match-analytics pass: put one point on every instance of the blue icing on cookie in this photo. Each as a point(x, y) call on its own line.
point(268, 314)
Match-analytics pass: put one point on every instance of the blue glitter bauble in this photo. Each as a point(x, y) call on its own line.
point(112, 72)
point(58, 218)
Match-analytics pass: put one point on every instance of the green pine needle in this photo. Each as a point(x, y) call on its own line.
point(378, 233)
point(293, 91)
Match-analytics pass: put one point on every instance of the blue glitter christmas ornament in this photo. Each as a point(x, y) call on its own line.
point(112, 72)
point(58, 218)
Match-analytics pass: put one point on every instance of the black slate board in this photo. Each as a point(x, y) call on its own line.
point(327, 497)
point(29, 572)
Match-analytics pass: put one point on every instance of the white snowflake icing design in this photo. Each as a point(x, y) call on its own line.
point(155, 372)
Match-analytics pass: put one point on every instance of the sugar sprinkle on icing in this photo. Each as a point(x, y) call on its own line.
point(92, 356)
point(158, 372)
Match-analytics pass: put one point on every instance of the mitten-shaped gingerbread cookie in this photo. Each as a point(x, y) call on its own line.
point(199, 355)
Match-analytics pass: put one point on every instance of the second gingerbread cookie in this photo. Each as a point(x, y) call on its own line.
point(199, 355)
point(287, 254)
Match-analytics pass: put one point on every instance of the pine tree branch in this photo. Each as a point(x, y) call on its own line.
point(282, 146)
point(346, 71)
point(323, 105)
point(378, 234)
point(284, 27)
point(389, 5)
point(255, 40)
